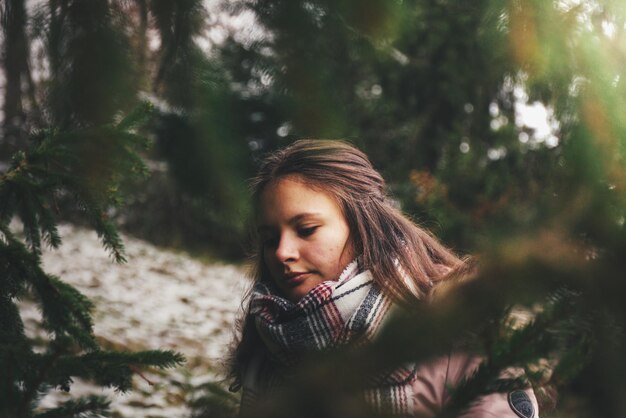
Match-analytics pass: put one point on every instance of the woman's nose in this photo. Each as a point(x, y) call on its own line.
point(287, 249)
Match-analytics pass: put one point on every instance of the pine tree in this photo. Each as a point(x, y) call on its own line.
point(56, 165)
point(74, 136)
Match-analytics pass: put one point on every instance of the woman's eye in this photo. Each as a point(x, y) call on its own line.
point(305, 232)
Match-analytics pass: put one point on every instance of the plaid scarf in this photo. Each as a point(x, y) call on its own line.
point(334, 313)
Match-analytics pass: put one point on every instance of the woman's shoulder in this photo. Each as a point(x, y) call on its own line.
point(435, 380)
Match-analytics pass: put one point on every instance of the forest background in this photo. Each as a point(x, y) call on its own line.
point(499, 125)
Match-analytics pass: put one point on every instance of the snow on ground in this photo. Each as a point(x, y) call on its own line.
point(159, 299)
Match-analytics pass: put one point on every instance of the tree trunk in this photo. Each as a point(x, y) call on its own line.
point(16, 68)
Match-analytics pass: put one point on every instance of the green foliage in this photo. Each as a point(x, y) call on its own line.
point(63, 163)
point(85, 407)
point(212, 400)
point(87, 65)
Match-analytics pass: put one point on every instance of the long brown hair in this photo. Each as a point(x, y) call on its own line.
point(404, 259)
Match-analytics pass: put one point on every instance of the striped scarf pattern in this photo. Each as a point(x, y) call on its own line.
point(350, 311)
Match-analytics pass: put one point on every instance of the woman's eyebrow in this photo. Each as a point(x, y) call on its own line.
point(302, 216)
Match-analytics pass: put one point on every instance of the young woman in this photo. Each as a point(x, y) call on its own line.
point(333, 255)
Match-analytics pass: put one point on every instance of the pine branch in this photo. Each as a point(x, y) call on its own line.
point(49, 228)
point(546, 336)
point(106, 230)
point(88, 164)
point(37, 376)
point(79, 307)
point(84, 407)
point(57, 162)
point(214, 400)
point(11, 324)
point(12, 283)
point(113, 369)
point(138, 116)
point(65, 309)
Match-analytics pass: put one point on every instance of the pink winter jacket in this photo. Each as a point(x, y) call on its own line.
point(435, 378)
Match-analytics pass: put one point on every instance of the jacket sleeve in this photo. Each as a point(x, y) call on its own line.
point(434, 378)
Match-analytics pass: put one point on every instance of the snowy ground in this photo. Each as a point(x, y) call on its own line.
point(159, 299)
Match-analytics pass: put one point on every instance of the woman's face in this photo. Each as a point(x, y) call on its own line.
point(305, 236)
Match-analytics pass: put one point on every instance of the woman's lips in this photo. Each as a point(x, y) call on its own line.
point(294, 279)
